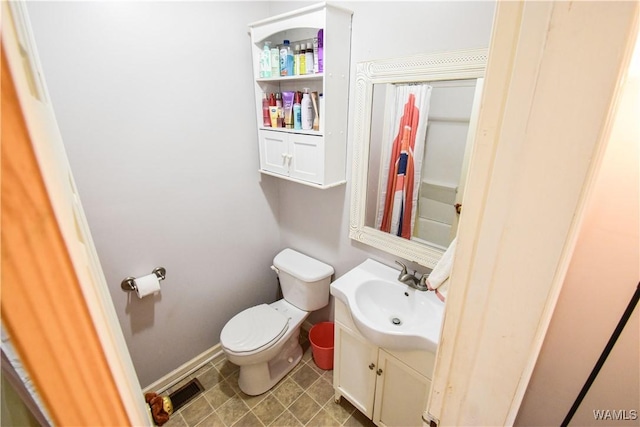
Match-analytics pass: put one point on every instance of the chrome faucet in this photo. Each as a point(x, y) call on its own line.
point(411, 280)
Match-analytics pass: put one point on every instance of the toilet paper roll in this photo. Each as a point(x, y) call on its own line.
point(147, 285)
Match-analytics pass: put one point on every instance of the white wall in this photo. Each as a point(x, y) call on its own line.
point(601, 279)
point(152, 106)
point(154, 102)
point(379, 30)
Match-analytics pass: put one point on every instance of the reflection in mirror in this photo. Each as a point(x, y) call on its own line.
point(437, 151)
point(414, 127)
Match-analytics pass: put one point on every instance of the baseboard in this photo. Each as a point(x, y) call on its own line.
point(185, 370)
point(194, 364)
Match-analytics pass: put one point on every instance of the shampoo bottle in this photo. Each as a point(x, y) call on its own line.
point(280, 119)
point(303, 58)
point(266, 119)
point(316, 64)
point(286, 59)
point(316, 111)
point(290, 61)
point(309, 59)
point(307, 110)
point(297, 112)
point(273, 110)
point(265, 60)
point(275, 61)
point(296, 60)
point(320, 50)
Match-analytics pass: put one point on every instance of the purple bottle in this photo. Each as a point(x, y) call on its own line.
point(320, 50)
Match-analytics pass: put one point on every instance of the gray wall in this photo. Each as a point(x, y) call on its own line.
point(154, 102)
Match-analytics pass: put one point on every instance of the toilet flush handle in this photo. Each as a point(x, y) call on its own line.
point(274, 268)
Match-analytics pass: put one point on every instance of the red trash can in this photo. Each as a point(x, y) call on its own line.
point(321, 338)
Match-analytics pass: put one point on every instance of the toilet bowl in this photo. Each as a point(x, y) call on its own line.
point(264, 339)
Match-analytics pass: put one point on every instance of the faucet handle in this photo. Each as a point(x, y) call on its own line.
point(423, 281)
point(404, 267)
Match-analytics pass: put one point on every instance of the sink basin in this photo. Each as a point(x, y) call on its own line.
point(390, 314)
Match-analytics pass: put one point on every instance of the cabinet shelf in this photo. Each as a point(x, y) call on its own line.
point(310, 157)
point(307, 183)
point(303, 77)
point(293, 131)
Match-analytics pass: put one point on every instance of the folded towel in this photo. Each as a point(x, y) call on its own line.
point(438, 279)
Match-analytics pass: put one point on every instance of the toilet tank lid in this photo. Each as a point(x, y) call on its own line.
point(302, 266)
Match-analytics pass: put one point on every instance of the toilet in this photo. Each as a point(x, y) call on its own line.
point(264, 340)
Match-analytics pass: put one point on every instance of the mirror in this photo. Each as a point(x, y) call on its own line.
point(414, 126)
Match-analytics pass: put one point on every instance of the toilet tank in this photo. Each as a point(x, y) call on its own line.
point(304, 280)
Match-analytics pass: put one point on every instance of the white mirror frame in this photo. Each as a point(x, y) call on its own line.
point(452, 65)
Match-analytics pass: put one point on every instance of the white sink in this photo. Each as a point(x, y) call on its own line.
point(388, 313)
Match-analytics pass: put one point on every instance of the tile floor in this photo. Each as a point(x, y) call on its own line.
point(302, 398)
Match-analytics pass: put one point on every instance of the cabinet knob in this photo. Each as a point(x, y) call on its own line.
point(379, 371)
point(371, 366)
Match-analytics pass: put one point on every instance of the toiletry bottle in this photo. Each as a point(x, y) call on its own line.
point(297, 112)
point(315, 55)
point(309, 59)
point(273, 110)
point(316, 111)
point(275, 61)
point(307, 110)
point(283, 60)
point(266, 120)
point(265, 60)
point(287, 101)
point(296, 60)
point(285, 56)
point(280, 110)
point(303, 58)
point(320, 50)
point(289, 61)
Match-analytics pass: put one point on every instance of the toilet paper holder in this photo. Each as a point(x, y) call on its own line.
point(129, 285)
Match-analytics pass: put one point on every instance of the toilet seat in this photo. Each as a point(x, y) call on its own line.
point(253, 329)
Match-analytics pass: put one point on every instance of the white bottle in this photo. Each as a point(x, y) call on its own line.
point(296, 60)
point(265, 60)
point(309, 59)
point(307, 110)
point(316, 68)
point(275, 61)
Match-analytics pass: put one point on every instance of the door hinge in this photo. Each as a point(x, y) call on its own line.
point(430, 420)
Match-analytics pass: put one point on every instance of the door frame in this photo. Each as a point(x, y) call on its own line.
point(55, 302)
point(531, 176)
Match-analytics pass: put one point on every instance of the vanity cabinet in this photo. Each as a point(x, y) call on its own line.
point(390, 387)
point(313, 157)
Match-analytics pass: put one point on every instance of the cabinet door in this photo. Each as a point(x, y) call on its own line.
point(274, 152)
point(401, 393)
point(354, 369)
point(307, 157)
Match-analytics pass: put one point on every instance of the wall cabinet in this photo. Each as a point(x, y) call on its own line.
point(292, 155)
point(390, 387)
point(312, 157)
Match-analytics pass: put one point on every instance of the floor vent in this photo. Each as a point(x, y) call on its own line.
point(185, 393)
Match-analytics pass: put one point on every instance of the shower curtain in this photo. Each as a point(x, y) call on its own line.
point(404, 142)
